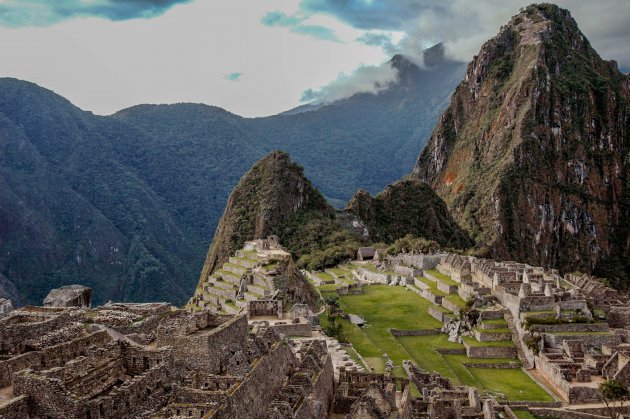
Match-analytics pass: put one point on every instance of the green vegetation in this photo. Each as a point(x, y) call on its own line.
point(408, 208)
point(444, 278)
point(615, 395)
point(324, 276)
point(410, 243)
point(495, 322)
point(432, 286)
point(456, 299)
point(500, 343)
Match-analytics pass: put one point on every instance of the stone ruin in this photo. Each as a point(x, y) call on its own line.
point(370, 395)
point(151, 360)
point(574, 330)
point(250, 280)
point(5, 306)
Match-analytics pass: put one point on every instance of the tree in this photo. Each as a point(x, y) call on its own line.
point(615, 394)
point(332, 305)
point(333, 328)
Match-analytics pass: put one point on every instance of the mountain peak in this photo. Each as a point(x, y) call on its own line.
point(271, 194)
point(524, 155)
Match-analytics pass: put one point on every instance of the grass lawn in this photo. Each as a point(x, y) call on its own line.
point(501, 330)
point(512, 383)
point(444, 278)
point(474, 342)
point(495, 322)
point(432, 286)
point(383, 307)
point(324, 276)
point(456, 299)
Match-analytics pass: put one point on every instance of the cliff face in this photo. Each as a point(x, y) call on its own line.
point(531, 156)
point(406, 207)
point(273, 197)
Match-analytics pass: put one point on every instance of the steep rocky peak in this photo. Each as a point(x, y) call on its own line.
point(272, 194)
point(529, 154)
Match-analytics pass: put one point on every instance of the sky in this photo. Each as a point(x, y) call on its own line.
point(253, 57)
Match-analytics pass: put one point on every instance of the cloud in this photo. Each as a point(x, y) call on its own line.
point(23, 13)
point(464, 25)
point(296, 24)
point(364, 79)
point(379, 40)
point(233, 76)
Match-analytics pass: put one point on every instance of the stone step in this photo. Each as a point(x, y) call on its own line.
point(245, 259)
point(242, 303)
point(228, 276)
point(235, 268)
point(260, 280)
point(224, 285)
point(225, 293)
point(258, 289)
point(250, 296)
point(229, 308)
point(211, 297)
point(209, 306)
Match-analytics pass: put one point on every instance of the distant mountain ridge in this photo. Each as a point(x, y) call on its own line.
point(127, 203)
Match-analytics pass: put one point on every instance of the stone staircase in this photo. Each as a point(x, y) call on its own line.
point(229, 289)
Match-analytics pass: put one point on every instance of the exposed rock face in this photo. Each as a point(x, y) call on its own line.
point(273, 197)
point(531, 156)
point(69, 296)
point(406, 207)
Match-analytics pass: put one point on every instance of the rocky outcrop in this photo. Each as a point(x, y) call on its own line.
point(69, 296)
point(531, 156)
point(406, 207)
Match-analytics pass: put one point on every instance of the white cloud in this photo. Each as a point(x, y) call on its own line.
point(183, 56)
point(365, 79)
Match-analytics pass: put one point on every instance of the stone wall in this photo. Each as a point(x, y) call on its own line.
point(293, 329)
point(450, 305)
point(564, 414)
point(596, 340)
point(569, 327)
point(265, 308)
point(16, 408)
point(414, 332)
point(251, 398)
point(418, 261)
point(484, 352)
point(377, 277)
point(53, 356)
point(137, 359)
point(490, 336)
point(406, 270)
point(5, 306)
point(205, 348)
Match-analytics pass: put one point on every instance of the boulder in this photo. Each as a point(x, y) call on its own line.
point(5, 306)
point(69, 296)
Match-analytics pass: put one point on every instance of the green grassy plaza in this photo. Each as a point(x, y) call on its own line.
point(385, 307)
